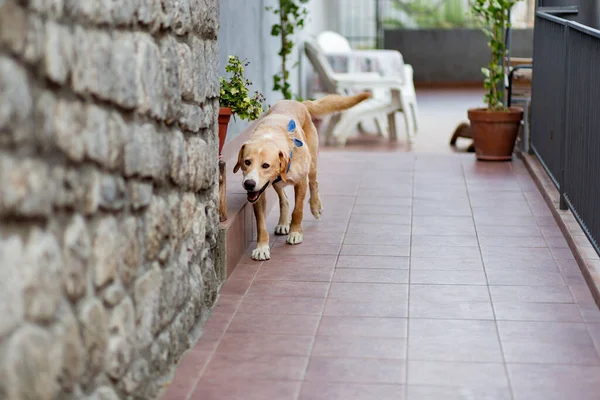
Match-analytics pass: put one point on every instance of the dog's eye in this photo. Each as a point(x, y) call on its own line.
point(265, 165)
point(247, 162)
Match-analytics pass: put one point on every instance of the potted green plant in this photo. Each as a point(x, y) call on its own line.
point(235, 98)
point(494, 128)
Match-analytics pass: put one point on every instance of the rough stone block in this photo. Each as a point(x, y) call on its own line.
point(13, 27)
point(94, 11)
point(205, 17)
point(120, 346)
point(76, 253)
point(182, 17)
point(45, 110)
point(123, 89)
point(188, 206)
point(149, 78)
point(199, 69)
point(150, 13)
point(90, 189)
point(212, 68)
point(11, 299)
point(105, 257)
point(34, 39)
point(140, 194)
point(28, 370)
point(167, 12)
point(104, 393)
point(94, 332)
point(92, 59)
point(95, 135)
point(177, 158)
point(186, 71)
point(26, 189)
point(42, 266)
point(113, 294)
point(113, 193)
point(16, 104)
point(137, 373)
point(123, 11)
point(129, 249)
point(50, 8)
point(66, 334)
point(175, 288)
point(147, 299)
point(69, 125)
point(170, 61)
point(145, 153)
point(157, 226)
point(117, 136)
point(58, 52)
point(67, 181)
point(191, 117)
point(202, 165)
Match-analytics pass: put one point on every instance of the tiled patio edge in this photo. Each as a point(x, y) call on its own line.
point(584, 253)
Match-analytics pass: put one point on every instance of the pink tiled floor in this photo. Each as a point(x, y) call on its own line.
point(429, 277)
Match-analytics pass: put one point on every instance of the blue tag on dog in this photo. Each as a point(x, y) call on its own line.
point(291, 126)
point(298, 142)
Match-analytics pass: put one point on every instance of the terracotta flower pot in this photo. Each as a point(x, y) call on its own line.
point(224, 117)
point(495, 132)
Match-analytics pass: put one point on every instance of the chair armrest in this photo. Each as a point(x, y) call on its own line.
point(371, 80)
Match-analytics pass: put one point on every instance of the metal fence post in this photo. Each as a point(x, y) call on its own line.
point(378, 26)
point(563, 204)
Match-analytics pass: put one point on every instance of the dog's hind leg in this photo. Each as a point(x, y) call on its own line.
point(296, 236)
point(283, 226)
point(312, 139)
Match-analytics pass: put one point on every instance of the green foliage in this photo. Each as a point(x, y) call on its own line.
point(234, 92)
point(432, 14)
point(493, 19)
point(292, 17)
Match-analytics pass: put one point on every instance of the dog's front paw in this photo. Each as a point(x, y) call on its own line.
point(261, 253)
point(295, 238)
point(282, 230)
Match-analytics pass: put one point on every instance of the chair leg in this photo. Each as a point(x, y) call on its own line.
point(392, 125)
point(381, 125)
point(415, 112)
point(333, 121)
point(408, 118)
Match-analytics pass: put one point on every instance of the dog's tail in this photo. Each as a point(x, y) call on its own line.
point(333, 103)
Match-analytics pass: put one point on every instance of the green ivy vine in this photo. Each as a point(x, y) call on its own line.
point(292, 17)
point(493, 16)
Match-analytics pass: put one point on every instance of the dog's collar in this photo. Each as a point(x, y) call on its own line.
point(297, 142)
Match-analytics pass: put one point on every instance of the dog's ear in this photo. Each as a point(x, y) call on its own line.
point(239, 160)
point(284, 161)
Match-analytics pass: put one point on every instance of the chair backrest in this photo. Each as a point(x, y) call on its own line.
point(332, 42)
point(321, 65)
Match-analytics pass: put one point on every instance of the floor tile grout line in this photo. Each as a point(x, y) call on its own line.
point(504, 364)
point(412, 216)
point(312, 346)
point(213, 351)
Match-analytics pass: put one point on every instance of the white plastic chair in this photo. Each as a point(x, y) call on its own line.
point(387, 63)
point(341, 125)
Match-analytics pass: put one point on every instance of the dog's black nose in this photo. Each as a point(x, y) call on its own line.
point(249, 185)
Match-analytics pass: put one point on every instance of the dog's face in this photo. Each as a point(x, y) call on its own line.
point(261, 164)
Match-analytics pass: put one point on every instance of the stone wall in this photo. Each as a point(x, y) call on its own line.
point(108, 193)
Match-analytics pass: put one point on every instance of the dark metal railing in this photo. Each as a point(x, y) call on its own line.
point(565, 122)
point(548, 93)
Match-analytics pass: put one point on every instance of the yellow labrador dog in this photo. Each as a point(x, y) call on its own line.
point(283, 151)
